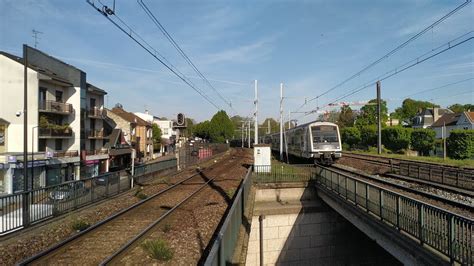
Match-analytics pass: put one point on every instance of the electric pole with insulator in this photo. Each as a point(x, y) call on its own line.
point(281, 121)
point(379, 120)
point(255, 141)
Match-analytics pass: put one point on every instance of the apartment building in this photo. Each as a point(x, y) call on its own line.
point(61, 136)
point(95, 157)
point(168, 134)
point(137, 132)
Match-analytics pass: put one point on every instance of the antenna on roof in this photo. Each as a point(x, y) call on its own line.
point(36, 37)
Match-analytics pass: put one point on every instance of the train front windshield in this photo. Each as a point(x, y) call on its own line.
point(324, 134)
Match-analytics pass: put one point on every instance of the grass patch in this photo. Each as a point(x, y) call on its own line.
point(230, 192)
point(158, 249)
point(431, 159)
point(141, 195)
point(80, 225)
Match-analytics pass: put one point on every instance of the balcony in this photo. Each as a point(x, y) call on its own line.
point(95, 112)
point(64, 154)
point(49, 106)
point(57, 133)
point(95, 134)
point(96, 152)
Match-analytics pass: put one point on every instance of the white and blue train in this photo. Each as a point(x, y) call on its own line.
point(320, 141)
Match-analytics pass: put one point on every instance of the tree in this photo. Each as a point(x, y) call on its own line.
point(459, 108)
point(274, 126)
point(221, 127)
point(410, 108)
point(188, 132)
point(396, 139)
point(351, 136)
point(331, 116)
point(368, 135)
point(368, 114)
point(346, 117)
point(156, 130)
point(202, 130)
point(423, 140)
point(460, 144)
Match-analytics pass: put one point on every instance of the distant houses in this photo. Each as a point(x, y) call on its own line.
point(452, 121)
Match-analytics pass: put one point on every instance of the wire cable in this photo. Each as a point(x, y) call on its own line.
point(178, 48)
point(399, 47)
point(131, 33)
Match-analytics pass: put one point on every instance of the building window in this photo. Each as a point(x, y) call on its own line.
point(133, 131)
point(165, 131)
point(2, 135)
point(59, 96)
point(92, 102)
point(58, 145)
point(92, 144)
point(41, 145)
point(42, 95)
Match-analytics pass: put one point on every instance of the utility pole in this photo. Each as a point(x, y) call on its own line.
point(379, 120)
point(281, 121)
point(289, 119)
point(26, 211)
point(242, 130)
point(249, 122)
point(268, 129)
point(443, 136)
point(255, 141)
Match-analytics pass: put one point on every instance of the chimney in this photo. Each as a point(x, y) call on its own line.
point(435, 114)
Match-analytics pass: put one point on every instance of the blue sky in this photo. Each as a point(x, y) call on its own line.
point(310, 46)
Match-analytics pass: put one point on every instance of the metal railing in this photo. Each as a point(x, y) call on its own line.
point(50, 132)
point(96, 152)
point(44, 203)
point(225, 242)
point(55, 107)
point(433, 172)
point(199, 152)
point(283, 173)
point(444, 231)
point(451, 176)
point(97, 133)
point(61, 154)
point(145, 169)
point(96, 112)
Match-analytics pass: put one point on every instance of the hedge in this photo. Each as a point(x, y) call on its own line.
point(396, 138)
point(350, 136)
point(368, 135)
point(423, 140)
point(460, 144)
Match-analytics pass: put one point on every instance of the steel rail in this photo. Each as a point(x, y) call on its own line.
point(400, 186)
point(99, 224)
point(125, 247)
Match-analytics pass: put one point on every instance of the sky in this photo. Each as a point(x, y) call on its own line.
point(309, 46)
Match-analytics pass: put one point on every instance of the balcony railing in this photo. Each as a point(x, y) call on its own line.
point(96, 112)
point(95, 134)
point(54, 133)
point(55, 107)
point(97, 152)
point(62, 154)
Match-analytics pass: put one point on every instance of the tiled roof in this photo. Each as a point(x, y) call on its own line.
point(130, 117)
point(470, 115)
point(447, 119)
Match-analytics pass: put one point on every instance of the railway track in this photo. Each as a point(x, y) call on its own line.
point(109, 239)
point(448, 198)
point(451, 178)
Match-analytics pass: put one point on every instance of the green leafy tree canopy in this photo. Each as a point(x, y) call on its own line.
point(368, 114)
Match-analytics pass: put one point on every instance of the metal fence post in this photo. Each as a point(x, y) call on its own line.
point(451, 237)
point(381, 203)
point(367, 197)
point(119, 181)
point(420, 223)
point(398, 212)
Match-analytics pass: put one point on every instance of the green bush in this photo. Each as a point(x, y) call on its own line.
point(423, 140)
point(368, 135)
point(396, 139)
point(460, 144)
point(351, 136)
point(158, 249)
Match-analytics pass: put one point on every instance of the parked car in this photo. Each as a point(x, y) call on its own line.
point(68, 191)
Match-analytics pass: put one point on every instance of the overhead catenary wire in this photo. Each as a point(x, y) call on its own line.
point(393, 51)
point(440, 87)
point(420, 59)
point(147, 47)
point(180, 51)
